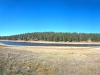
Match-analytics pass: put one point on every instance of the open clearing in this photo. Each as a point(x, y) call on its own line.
point(50, 60)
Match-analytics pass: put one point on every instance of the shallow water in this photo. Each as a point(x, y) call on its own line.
point(45, 44)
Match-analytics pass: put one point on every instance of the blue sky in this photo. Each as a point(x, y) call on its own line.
point(22, 16)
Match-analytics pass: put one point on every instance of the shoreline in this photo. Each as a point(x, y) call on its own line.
point(1, 44)
point(46, 42)
point(51, 42)
point(50, 58)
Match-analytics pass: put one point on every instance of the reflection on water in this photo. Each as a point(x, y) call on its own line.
point(46, 44)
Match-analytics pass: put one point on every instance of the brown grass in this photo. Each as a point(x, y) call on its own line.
point(51, 60)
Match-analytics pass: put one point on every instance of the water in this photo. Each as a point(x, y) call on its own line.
point(46, 44)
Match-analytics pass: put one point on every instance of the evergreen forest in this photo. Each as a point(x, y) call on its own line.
point(55, 36)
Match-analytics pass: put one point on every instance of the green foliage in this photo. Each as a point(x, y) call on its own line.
point(54, 36)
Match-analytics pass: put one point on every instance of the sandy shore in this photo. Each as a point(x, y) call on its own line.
point(1, 44)
point(53, 42)
point(53, 48)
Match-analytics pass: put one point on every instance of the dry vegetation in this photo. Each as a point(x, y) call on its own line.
point(49, 61)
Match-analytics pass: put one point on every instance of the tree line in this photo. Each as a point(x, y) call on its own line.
point(55, 36)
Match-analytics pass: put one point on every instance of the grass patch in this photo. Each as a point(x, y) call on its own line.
point(49, 61)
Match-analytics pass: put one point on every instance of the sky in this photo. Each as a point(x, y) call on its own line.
point(22, 16)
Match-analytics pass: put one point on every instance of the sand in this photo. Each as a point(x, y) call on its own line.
point(53, 42)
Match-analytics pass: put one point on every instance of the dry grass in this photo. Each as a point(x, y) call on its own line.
point(50, 61)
